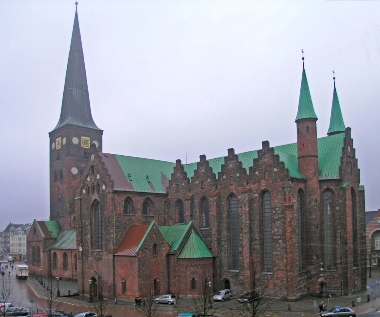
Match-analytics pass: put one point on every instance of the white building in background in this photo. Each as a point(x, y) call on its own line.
point(18, 246)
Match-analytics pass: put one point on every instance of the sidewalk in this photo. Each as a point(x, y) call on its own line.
point(305, 307)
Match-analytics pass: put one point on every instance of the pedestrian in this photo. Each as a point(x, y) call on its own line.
point(321, 307)
point(136, 300)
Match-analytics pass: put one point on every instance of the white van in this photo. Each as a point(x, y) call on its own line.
point(5, 306)
point(22, 271)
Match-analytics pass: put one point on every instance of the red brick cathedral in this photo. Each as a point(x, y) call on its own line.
point(288, 220)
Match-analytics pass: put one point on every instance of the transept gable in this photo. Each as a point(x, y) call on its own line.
point(232, 168)
point(179, 182)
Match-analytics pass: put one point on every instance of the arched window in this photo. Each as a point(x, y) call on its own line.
point(328, 230)
point(54, 260)
point(34, 231)
point(92, 188)
point(97, 226)
point(123, 286)
point(205, 213)
point(75, 262)
point(301, 232)
point(92, 169)
point(128, 206)
point(38, 256)
point(65, 261)
point(60, 175)
point(34, 259)
point(354, 228)
point(193, 284)
point(156, 286)
point(146, 208)
point(267, 232)
point(180, 216)
point(234, 233)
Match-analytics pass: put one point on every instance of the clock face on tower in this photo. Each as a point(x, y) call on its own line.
point(85, 142)
point(58, 143)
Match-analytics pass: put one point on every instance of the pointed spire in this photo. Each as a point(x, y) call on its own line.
point(76, 109)
point(305, 105)
point(336, 119)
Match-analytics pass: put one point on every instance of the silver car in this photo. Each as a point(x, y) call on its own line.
point(223, 295)
point(166, 299)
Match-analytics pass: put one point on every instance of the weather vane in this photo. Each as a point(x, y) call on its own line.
point(303, 60)
point(334, 77)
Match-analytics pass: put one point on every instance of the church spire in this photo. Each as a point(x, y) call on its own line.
point(336, 118)
point(76, 109)
point(305, 105)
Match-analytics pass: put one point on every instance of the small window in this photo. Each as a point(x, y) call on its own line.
point(155, 250)
point(92, 188)
point(128, 206)
point(231, 180)
point(202, 184)
point(193, 284)
point(60, 175)
point(54, 260)
point(123, 286)
point(92, 170)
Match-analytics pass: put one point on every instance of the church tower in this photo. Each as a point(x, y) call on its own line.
point(71, 139)
point(307, 146)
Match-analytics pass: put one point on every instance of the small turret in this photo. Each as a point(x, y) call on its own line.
point(336, 119)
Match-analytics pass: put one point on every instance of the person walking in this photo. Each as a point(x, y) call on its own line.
point(321, 307)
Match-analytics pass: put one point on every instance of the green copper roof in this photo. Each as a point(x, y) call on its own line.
point(65, 241)
point(76, 108)
point(152, 176)
point(194, 248)
point(336, 118)
point(174, 234)
point(305, 105)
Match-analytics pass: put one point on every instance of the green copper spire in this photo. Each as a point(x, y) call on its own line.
point(305, 105)
point(336, 119)
point(76, 108)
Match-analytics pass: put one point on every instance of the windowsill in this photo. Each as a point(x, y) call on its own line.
point(129, 214)
point(148, 215)
point(267, 273)
point(204, 229)
point(233, 271)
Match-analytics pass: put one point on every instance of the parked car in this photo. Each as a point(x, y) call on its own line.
point(16, 311)
point(248, 297)
point(338, 311)
point(223, 295)
point(166, 299)
point(86, 314)
point(186, 314)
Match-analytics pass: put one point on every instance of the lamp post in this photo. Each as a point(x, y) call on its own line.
point(58, 292)
point(90, 299)
point(209, 294)
point(41, 276)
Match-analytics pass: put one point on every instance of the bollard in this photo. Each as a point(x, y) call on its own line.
point(368, 298)
point(353, 303)
point(69, 292)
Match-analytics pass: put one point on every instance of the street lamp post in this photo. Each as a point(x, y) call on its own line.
point(58, 292)
point(209, 294)
point(90, 299)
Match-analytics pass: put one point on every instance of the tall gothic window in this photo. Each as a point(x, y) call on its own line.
point(34, 259)
point(65, 261)
point(354, 228)
point(193, 283)
point(128, 206)
point(123, 286)
point(234, 233)
point(180, 215)
point(38, 256)
point(205, 213)
point(98, 226)
point(301, 231)
point(146, 208)
point(328, 229)
point(267, 232)
point(75, 262)
point(54, 260)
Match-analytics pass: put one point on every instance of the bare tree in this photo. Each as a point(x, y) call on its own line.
point(257, 301)
point(149, 306)
point(52, 302)
point(202, 305)
point(102, 305)
point(6, 292)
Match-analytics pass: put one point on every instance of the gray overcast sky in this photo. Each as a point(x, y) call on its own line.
point(170, 79)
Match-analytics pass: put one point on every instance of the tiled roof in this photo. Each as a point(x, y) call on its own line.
point(65, 241)
point(194, 248)
point(49, 229)
point(152, 176)
point(131, 240)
